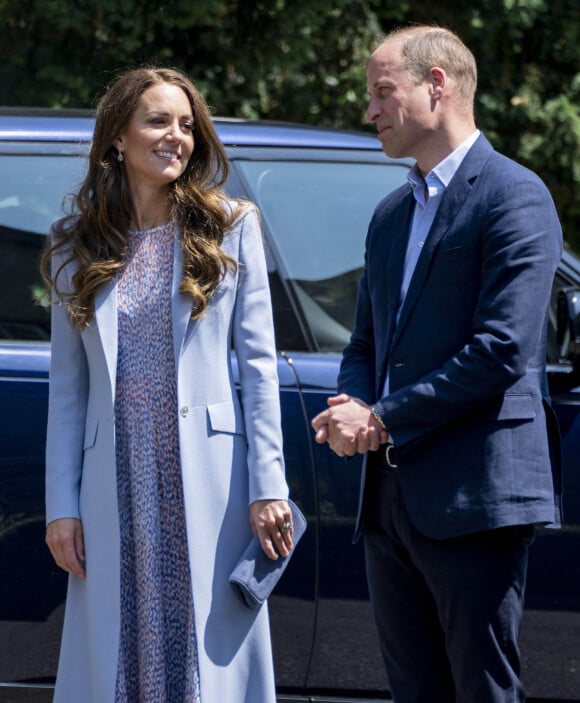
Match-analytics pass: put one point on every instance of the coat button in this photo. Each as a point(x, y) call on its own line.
point(184, 410)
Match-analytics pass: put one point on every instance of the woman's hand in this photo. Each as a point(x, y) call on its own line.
point(271, 520)
point(65, 541)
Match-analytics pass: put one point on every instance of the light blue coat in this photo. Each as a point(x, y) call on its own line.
point(230, 457)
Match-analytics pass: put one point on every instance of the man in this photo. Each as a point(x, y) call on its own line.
point(443, 383)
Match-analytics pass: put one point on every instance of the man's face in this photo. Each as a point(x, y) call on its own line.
point(402, 111)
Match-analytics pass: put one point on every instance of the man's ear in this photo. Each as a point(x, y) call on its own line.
point(439, 81)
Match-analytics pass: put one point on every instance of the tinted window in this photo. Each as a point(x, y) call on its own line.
point(317, 214)
point(31, 192)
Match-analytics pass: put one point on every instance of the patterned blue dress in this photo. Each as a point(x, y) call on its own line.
point(158, 647)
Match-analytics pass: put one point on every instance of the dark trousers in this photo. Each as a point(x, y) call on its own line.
point(448, 612)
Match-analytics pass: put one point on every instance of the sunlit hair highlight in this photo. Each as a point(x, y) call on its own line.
point(94, 234)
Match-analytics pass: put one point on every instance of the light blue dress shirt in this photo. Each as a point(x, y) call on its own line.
point(428, 193)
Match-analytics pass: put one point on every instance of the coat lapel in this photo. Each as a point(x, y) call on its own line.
point(182, 304)
point(106, 318)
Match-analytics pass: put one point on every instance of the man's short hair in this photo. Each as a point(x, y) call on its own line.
point(426, 46)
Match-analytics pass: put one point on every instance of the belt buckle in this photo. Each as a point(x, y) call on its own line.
point(389, 448)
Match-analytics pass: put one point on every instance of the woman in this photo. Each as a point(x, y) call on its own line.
point(151, 462)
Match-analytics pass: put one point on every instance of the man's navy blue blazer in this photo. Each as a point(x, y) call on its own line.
point(477, 443)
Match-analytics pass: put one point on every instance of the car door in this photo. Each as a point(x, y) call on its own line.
point(33, 179)
point(551, 625)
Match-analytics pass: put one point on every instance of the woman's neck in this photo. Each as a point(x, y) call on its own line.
point(150, 210)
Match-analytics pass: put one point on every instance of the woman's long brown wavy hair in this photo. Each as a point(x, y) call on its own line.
point(93, 235)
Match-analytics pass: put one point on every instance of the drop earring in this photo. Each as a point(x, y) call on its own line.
point(120, 156)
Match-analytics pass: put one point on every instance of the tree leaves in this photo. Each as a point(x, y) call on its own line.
point(305, 61)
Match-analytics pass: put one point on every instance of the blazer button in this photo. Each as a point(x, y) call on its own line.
point(183, 411)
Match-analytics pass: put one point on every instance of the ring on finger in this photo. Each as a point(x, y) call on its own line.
point(287, 527)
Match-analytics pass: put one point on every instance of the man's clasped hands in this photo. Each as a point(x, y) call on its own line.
point(349, 426)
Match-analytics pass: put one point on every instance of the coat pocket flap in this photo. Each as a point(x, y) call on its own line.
point(223, 417)
point(91, 425)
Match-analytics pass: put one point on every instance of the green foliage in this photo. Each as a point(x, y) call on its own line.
point(529, 90)
point(305, 61)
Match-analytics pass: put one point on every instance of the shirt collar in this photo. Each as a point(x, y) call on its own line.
point(444, 171)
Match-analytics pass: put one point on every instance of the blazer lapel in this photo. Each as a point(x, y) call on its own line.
point(454, 199)
point(396, 262)
point(392, 274)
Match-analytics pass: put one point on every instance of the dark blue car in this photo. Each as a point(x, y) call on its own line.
point(316, 190)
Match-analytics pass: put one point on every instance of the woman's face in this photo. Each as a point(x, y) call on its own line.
point(158, 141)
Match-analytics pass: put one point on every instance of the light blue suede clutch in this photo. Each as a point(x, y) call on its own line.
point(255, 576)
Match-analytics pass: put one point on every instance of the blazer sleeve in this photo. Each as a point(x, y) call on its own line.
point(67, 404)
point(521, 245)
point(255, 348)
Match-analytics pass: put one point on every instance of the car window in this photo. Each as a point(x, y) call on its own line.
point(317, 214)
point(31, 192)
